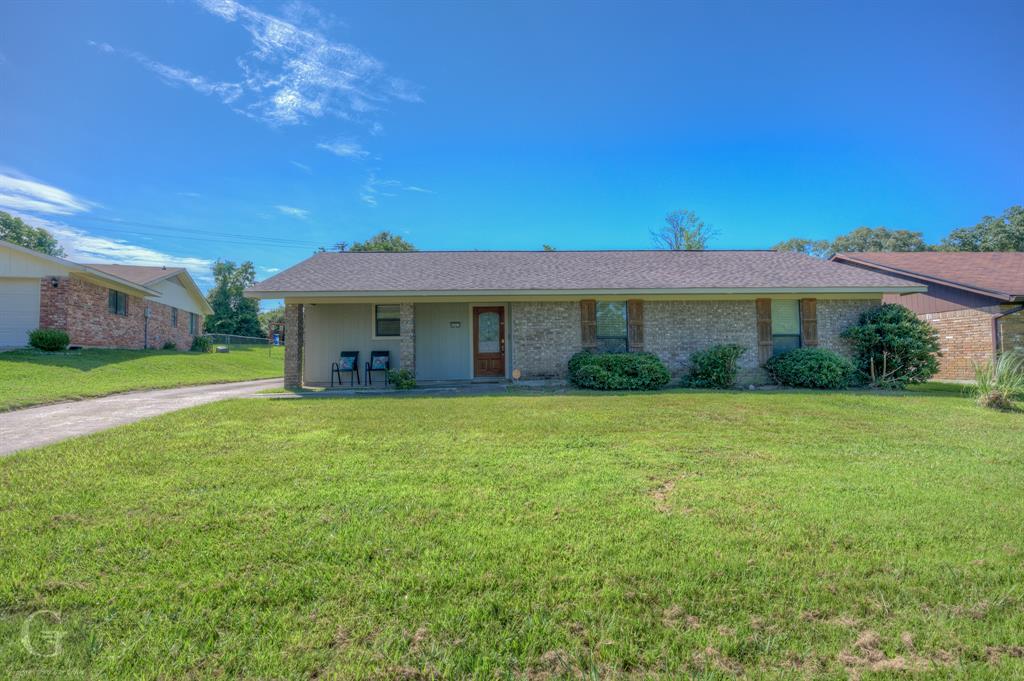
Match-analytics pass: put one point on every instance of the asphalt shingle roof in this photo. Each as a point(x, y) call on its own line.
point(445, 271)
point(997, 272)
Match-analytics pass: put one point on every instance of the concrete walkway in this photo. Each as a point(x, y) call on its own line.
point(37, 426)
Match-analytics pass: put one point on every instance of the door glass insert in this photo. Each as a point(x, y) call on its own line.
point(488, 333)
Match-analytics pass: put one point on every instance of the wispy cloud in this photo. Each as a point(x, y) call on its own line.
point(190, 195)
point(294, 212)
point(302, 166)
point(271, 270)
point(375, 188)
point(83, 247)
point(23, 193)
point(293, 73)
point(345, 148)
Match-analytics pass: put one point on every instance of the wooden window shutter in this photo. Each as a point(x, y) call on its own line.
point(635, 318)
point(588, 324)
point(809, 322)
point(764, 329)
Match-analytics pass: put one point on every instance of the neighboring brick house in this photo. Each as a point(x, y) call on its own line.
point(494, 315)
point(975, 301)
point(110, 306)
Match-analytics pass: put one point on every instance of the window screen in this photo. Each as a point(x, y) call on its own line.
point(785, 325)
point(611, 327)
point(387, 320)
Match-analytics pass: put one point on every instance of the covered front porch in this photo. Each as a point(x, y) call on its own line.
point(439, 342)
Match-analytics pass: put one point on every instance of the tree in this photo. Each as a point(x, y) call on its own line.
point(893, 347)
point(270, 317)
point(683, 231)
point(819, 248)
point(1005, 233)
point(383, 241)
point(548, 247)
point(232, 312)
point(19, 232)
point(878, 239)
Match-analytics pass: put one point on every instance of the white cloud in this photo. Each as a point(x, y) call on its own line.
point(375, 188)
point(344, 148)
point(21, 193)
point(294, 212)
point(302, 166)
point(271, 270)
point(292, 73)
point(82, 247)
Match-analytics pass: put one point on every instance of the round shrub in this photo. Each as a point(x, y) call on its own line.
point(715, 367)
point(202, 344)
point(170, 345)
point(50, 340)
point(894, 347)
point(625, 371)
point(811, 368)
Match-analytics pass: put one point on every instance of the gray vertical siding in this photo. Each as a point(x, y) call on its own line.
point(330, 329)
point(443, 352)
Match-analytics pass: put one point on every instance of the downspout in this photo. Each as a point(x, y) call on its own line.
point(995, 329)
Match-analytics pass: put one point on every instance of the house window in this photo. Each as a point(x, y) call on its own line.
point(174, 317)
point(117, 302)
point(611, 327)
point(387, 321)
point(192, 319)
point(785, 325)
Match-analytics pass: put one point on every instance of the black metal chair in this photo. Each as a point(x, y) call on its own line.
point(349, 361)
point(380, 360)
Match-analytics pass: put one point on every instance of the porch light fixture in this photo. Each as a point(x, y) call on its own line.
point(54, 283)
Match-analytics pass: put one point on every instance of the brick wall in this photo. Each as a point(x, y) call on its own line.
point(545, 335)
point(834, 317)
point(965, 337)
point(295, 347)
point(80, 308)
point(674, 330)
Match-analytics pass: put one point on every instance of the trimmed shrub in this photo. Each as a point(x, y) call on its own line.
point(811, 368)
point(714, 367)
point(402, 379)
point(614, 371)
point(894, 347)
point(170, 345)
point(997, 384)
point(50, 340)
point(202, 344)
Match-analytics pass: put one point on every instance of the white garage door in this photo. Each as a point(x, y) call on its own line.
point(19, 310)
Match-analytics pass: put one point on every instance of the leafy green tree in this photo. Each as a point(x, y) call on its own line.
point(1005, 233)
point(548, 247)
point(879, 239)
point(19, 232)
point(383, 241)
point(232, 312)
point(893, 347)
point(820, 248)
point(270, 317)
point(683, 231)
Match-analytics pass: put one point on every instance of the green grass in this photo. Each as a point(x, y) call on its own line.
point(675, 534)
point(34, 377)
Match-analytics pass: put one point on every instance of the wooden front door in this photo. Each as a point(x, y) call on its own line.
point(488, 341)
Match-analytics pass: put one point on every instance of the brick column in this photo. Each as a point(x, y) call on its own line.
point(294, 341)
point(407, 331)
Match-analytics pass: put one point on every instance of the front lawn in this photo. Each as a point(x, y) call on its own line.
point(769, 534)
point(33, 377)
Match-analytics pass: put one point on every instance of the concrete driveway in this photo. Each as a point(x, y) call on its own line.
point(37, 426)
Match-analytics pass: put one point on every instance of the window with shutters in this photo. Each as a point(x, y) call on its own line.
point(612, 334)
point(785, 325)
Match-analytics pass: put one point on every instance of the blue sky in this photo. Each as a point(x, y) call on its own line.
point(182, 132)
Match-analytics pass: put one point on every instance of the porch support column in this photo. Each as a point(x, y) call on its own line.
point(295, 339)
point(407, 340)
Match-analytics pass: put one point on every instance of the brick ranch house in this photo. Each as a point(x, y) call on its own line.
point(453, 316)
point(109, 306)
point(975, 301)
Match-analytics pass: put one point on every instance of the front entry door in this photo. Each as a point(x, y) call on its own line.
point(488, 341)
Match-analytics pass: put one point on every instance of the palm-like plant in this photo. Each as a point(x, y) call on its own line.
point(998, 383)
